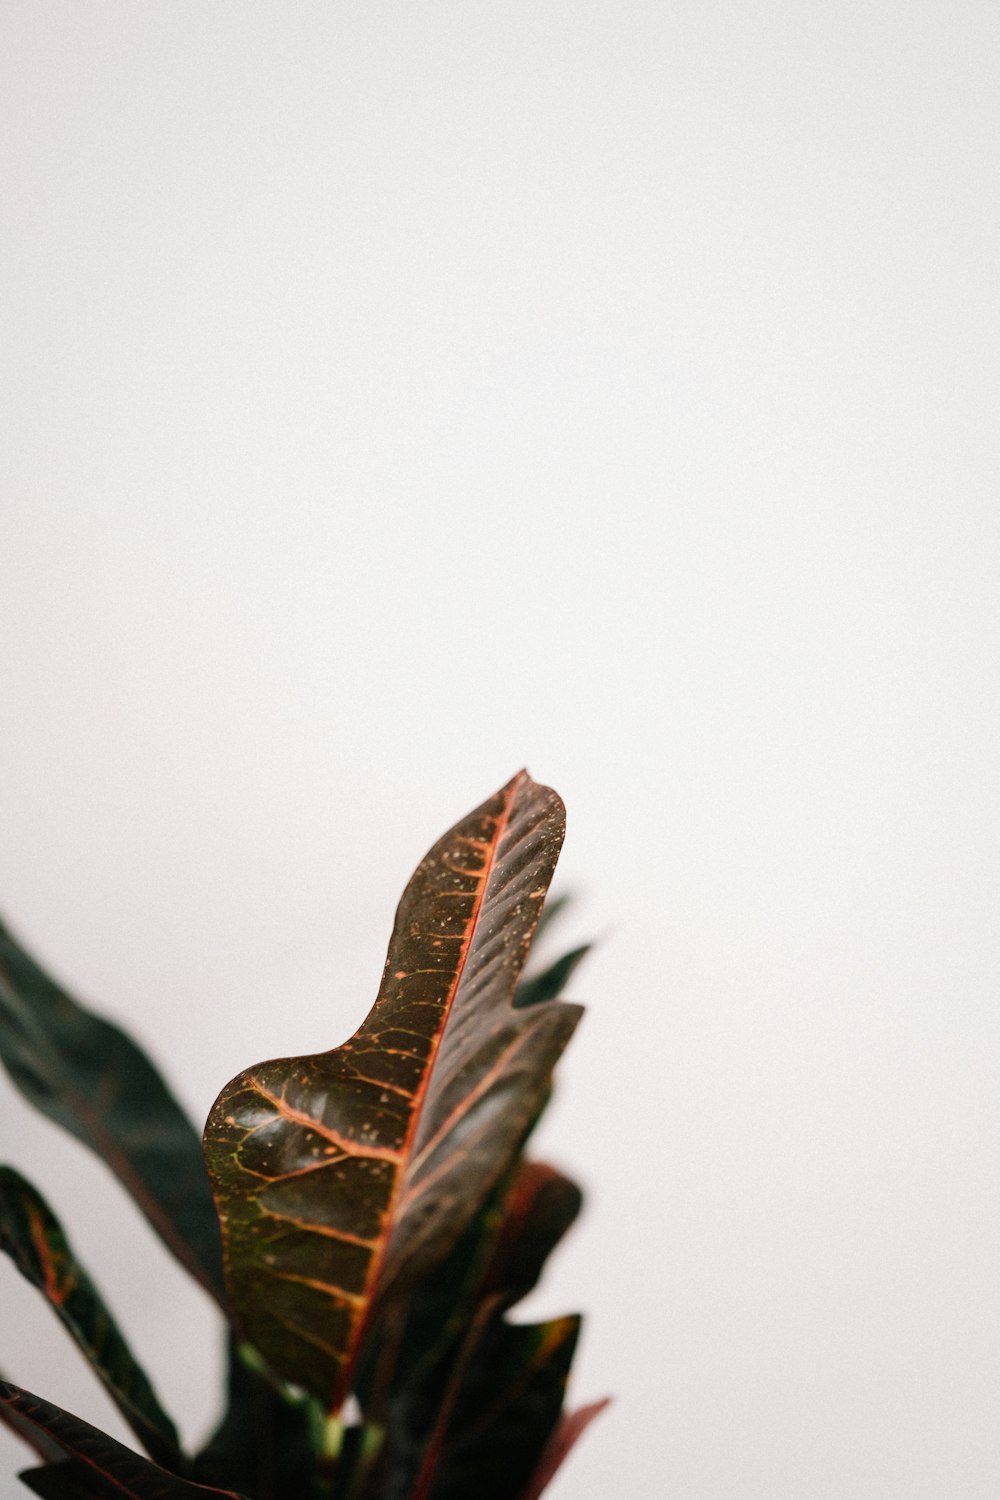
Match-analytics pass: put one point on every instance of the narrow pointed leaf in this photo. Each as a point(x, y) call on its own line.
point(113, 1469)
point(550, 982)
point(27, 1429)
point(412, 1346)
point(92, 1079)
point(342, 1177)
point(434, 1435)
point(34, 1239)
point(61, 1481)
point(428, 1346)
point(538, 1210)
point(572, 1426)
point(498, 1260)
point(68, 1480)
point(505, 1412)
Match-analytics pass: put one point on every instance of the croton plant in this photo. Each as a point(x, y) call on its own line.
point(364, 1217)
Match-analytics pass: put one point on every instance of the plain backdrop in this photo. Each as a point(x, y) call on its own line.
point(396, 394)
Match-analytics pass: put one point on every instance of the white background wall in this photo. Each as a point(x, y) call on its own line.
point(396, 394)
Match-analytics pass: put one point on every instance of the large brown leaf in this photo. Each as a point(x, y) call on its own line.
point(341, 1177)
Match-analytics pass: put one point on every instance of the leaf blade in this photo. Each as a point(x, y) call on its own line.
point(48, 1428)
point(550, 982)
point(538, 1210)
point(263, 1443)
point(451, 1315)
point(66, 1480)
point(34, 1239)
point(342, 1176)
point(91, 1078)
point(506, 1409)
point(568, 1433)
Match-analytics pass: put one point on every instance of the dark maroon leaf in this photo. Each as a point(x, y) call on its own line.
point(499, 1259)
point(415, 1363)
point(509, 1397)
point(34, 1239)
point(34, 1434)
point(550, 982)
point(92, 1079)
point(342, 1177)
point(114, 1470)
point(571, 1428)
point(538, 1210)
point(68, 1480)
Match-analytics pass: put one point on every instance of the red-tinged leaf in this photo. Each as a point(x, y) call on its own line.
point(342, 1177)
point(112, 1469)
point(538, 1210)
point(67, 1480)
point(27, 1429)
point(414, 1359)
point(34, 1239)
point(498, 1422)
point(94, 1081)
point(435, 1435)
point(453, 1332)
point(499, 1260)
point(571, 1428)
point(492, 1403)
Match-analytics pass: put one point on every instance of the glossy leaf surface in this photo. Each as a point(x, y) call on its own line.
point(110, 1468)
point(34, 1239)
point(92, 1079)
point(344, 1176)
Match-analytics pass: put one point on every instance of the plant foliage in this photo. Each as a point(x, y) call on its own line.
point(364, 1216)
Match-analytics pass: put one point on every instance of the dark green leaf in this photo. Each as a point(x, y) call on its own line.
point(263, 1444)
point(34, 1239)
point(114, 1470)
point(342, 1177)
point(549, 983)
point(409, 1351)
point(92, 1079)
